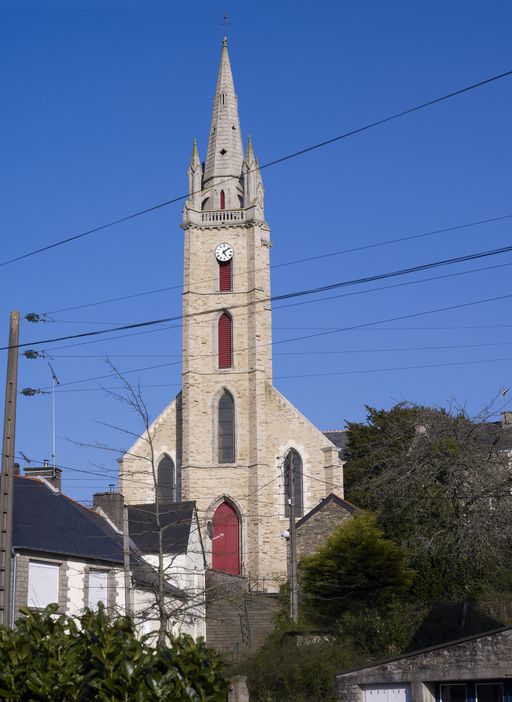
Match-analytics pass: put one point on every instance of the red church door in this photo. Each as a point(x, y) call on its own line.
point(226, 540)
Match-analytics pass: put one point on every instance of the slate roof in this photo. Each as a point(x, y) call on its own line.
point(411, 654)
point(175, 519)
point(49, 522)
point(348, 506)
point(339, 438)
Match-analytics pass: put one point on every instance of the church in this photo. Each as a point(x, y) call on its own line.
point(230, 441)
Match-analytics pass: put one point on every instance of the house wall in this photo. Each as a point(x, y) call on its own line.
point(316, 530)
point(73, 583)
point(484, 658)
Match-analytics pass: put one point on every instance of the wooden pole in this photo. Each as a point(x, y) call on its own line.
point(7, 475)
point(294, 608)
point(127, 571)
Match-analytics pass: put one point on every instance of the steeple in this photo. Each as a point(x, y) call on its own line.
point(225, 151)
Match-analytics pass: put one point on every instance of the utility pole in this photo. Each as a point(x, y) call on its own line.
point(7, 475)
point(126, 561)
point(294, 608)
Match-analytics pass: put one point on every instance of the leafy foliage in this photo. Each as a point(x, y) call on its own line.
point(357, 568)
point(442, 487)
point(299, 668)
point(50, 657)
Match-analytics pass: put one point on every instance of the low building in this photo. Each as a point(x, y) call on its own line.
point(315, 527)
point(71, 555)
point(474, 669)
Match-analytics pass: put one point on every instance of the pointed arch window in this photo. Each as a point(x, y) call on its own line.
point(225, 340)
point(166, 479)
point(225, 278)
point(226, 428)
point(293, 468)
point(222, 200)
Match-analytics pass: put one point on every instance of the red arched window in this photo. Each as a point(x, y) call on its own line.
point(226, 540)
point(225, 276)
point(222, 200)
point(225, 341)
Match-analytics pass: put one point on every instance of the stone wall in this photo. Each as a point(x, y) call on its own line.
point(483, 657)
point(313, 532)
point(237, 621)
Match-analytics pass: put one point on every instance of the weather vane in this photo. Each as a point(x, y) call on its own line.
point(225, 22)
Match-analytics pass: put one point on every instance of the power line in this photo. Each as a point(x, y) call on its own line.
point(282, 159)
point(317, 334)
point(294, 262)
point(274, 298)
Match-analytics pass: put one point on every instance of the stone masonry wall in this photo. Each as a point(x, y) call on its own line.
point(485, 658)
point(316, 530)
point(237, 621)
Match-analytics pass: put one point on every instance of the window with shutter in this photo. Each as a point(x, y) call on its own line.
point(43, 584)
point(166, 479)
point(225, 276)
point(98, 588)
point(226, 428)
point(222, 200)
point(293, 462)
point(225, 341)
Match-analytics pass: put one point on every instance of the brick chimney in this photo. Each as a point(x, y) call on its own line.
point(50, 473)
point(112, 504)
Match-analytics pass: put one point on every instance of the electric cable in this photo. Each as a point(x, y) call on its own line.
point(282, 159)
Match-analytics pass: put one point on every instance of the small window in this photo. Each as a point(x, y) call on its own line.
point(293, 465)
point(226, 428)
point(98, 588)
point(489, 692)
point(225, 340)
point(43, 584)
point(222, 200)
point(225, 276)
point(453, 693)
point(166, 479)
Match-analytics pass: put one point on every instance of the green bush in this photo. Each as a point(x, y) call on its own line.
point(298, 668)
point(358, 568)
point(50, 657)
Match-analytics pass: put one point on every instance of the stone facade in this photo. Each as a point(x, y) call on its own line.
point(314, 528)
point(237, 621)
point(226, 206)
point(476, 658)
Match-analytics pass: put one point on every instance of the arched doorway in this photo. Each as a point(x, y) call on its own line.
point(226, 539)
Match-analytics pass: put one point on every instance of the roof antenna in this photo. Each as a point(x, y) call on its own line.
point(55, 381)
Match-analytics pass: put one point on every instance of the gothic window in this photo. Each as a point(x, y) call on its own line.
point(225, 275)
point(166, 479)
point(204, 202)
point(222, 200)
point(225, 340)
point(226, 428)
point(293, 466)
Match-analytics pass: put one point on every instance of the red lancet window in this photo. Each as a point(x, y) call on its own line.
point(225, 340)
point(225, 276)
point(222, 200)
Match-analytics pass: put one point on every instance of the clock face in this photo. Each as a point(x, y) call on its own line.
point(224, 252)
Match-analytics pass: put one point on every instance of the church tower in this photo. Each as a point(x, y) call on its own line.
point(230, 440)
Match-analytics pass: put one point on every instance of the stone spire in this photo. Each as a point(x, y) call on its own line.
point(194, 174)
point(225, 151)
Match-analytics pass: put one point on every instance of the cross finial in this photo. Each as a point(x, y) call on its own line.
point(225, 24)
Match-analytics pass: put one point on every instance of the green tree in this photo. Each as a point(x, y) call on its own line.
point(442, 486)
point(357, 568)
point(98, 659)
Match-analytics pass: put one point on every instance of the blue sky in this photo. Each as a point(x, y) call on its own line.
point(101, 101)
